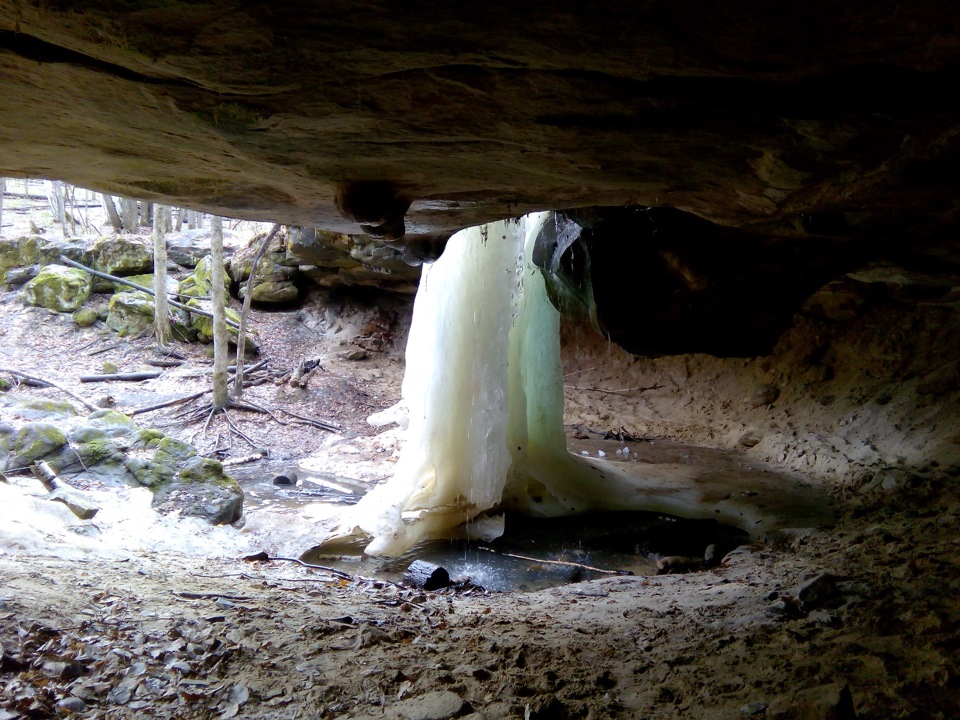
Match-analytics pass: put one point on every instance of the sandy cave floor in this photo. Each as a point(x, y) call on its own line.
point(168, 635)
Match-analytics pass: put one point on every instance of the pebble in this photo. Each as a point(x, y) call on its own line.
point(754, 708)
point(72, 705)
point(601, 453)
point(817, 591)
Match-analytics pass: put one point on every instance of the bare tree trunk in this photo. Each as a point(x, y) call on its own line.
point(180, 213)
point(128, 210)
point(146, 213)
point(57, 205)
point(3, 189)
point(247, 299)
point(221, 342)
point(161, 312)
point(112, 215)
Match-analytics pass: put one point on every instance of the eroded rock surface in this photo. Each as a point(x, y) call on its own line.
point(817, 119)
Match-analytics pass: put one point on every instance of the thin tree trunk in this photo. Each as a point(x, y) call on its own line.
point(161, 312)
point(180, 213)
point(128, 210)
point(58, 206)
point(247, 299)
point(146, 213)
point(221, 342)
point(3, 189)
point(112, 215)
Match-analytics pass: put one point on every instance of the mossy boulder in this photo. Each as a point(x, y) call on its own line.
point(22, 257)
point(201, 489)
point(109, 447)
point(120, 255)
point(35, 441)
point(203, 325)
point(58, 288)
point(130, 313)
point(274, 292)
point(198, 284)
point(84, 316)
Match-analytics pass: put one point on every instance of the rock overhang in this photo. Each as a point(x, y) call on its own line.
point(834, 124)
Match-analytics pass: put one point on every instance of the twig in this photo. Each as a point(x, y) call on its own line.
point(239, 433)
point(245, 459)
point(150, 291)
point(212, 596)
point(621, 391)
point(108, 348)
point(557, 562)
point(34, 378)
point(322, 424)
point(168, 403)
point(263, 557)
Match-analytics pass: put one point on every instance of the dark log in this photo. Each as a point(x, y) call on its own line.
point(426, 576)
point(120, 376)
point(164, 363)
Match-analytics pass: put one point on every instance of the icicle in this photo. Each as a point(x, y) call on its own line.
point(482, 402)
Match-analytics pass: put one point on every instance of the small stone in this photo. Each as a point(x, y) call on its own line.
point(432, 706)
point(764, 395)
point(72, 705)
point(754, 708)
point(355, 354)
point(85, 316)
point(817, 591)
point(109, 368)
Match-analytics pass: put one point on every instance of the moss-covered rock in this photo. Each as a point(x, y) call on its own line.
point(35, 441)
point(201, 489)
point(113, 423)
point(120, 255)
point(198, 284)
point(58, 288)
point(274, 291)
point(84, 317)
point(130, 313)
point(36, 408)
point(203, 325)
point(22, 257)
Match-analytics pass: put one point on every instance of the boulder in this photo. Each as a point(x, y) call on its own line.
point(58, 288)
point(130, 313)
point(21, 258)
point(199, 282)
point(120, 255)
point(84, 317)
point(188, 247)
point(147, 280)
point(108, 446)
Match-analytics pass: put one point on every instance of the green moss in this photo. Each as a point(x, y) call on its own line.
point(42, 407)
point(148, 439)
point(205, 470)
point(95, 451)
point(34, 441)
point(5, 384)
point(149, 474)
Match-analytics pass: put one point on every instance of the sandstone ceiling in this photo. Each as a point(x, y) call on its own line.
point(821, 121)
point(791, 118)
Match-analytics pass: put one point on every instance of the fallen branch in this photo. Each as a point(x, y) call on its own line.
point(149, 291)
point(120, 376)
point(621, 391)
point(168, 403)
point(33, 378)
point(558, 562)
point(244, 460)
point(212, 596)
point(264, 557)
point(62, 492)
point(164, 363)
